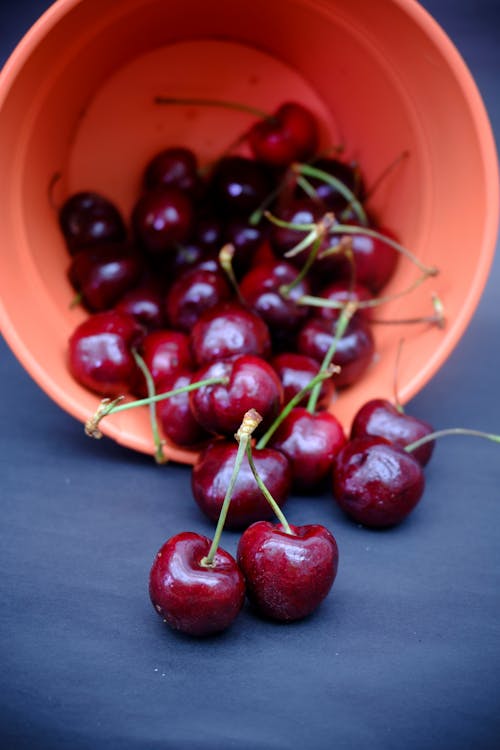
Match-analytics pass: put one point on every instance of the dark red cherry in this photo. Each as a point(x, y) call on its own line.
point(283, 239)
point(192, 293)
point(100, 355)
point(246, 240)
point(290, 134)
point(287, 575)
point(343, 291)
point(238, 185)
point(354, 352)
point(102, 274)
point(177, 167)
point(162, 218)
point(165, 353)
point(145, 303)
point(209, 233)
point(88, 219)
point(252, 384)
point(192, 597)
point(228, 329)
point(376, 483)
point(330, 197)
point(295, 372)
point(189, 256)
point(174, 414)
point(211, 474)
point(379, 417)
point(261, 290)
point(310, 442)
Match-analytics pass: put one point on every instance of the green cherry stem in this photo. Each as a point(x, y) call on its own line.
point(322, 229)
point(202, 102)
point(340, 328)
point(226, 256)
point(270, 499)
point(310, 171)
point(251, 420)
point(451, 431)
point(160, 457)
point(318, 378)
point(113, 406)
point(438, 319)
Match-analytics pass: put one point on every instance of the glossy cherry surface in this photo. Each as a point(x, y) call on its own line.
point(176, 166)
point(176, 419)
point(343, 291)
point(252, 384)
point(290, 134)
point(88, 218)
point(145, 303)
point(287, 575)
point(103, 274)
point(376, 483)
point(295, 372)
point(310, 442)
point(211, 474)
point(228, 329)
point(99, 353)
point(165, 353)
point(379, 417)
point(238, 185)
point(348, 174)
point(191, 597)
point(192, 293)
point(161, 218)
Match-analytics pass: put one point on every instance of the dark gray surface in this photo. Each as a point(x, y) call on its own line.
point(404, 653)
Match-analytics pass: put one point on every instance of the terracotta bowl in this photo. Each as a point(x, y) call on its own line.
point(77, 100)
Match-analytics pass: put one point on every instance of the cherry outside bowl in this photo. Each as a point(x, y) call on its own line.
point(77, 103)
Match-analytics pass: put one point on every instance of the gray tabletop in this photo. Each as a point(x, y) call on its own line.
point(404, 653)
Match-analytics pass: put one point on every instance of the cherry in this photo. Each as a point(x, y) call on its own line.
point(174, 414)
point(354, 352)
point(210, 477)
point(102, 274)
point(100, 355)
point(251, 383)
point(165, 353)
point(177, 167)
point(261, 288)
point(290, 134)
point(246, 239)
point(238, 185)
point(295, 371)
point(192, 293)
point(88, 219)
point(189, 256)
point(310, 442)
point(379, 417)
point(299, 212)
point(145, 303)
point(190, 595)
point(348, 174)
point(208, 233)
point(287, 573)
point(228, 329)
point(343, 291)
point(161, 218)
point(375, 482)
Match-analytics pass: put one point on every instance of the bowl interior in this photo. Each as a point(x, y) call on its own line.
point(78, 113)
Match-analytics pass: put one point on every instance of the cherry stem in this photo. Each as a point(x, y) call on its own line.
point(308, 299)
point(259, 212)
point(321, 230)
point(270, 499)
point(318, 378)
point(385, 173)
point(202, 102)
point(307, 187)
point(437, 319)
point(451, 431)
point(340, 329)
point(351, 229)
point(113, 406)
point(290, 225)
point(76, 300)
point(251, 420)
point(226, 256)
point(310, 171)
point(160, 457)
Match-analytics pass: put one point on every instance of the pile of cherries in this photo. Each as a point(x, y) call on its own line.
point(199, 308)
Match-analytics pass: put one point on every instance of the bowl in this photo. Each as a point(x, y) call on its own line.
point(78, 112)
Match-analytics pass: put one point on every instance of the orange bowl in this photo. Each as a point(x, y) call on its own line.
point(77, 101)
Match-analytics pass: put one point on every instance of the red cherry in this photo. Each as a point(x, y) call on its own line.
point(145, 304)
point(310, 442)
point(162, 218)
point(379, 417)
point(194, 292)
point(295, 372)
point(192, 597)
point(291, 134)
point(102, 274)
point(348, 174)
point(283, 239)
point(343, 291)
point(173, 167)
point(354, 351)
point(376, 483)
point(174, 414)
point(238, 185)
point(252, 384)
point(165, 353)
point(100, 355)
point(211, 475)
point(88, 219)
point(287, 575)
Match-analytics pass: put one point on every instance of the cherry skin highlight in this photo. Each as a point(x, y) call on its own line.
point(295, 372)
point(161, 218)
point(211, 474)
point(174, 414)
point(287, 575)
point(194, 292)
point(193, 598)
point(376, 483)
point(291, 134)
point(102, 275)
point(177, 167)
point(165, 353)
point(87, 219)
